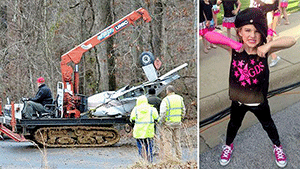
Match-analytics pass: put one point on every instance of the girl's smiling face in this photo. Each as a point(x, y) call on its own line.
point(250, 36)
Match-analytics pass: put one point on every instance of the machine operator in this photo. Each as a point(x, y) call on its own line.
point(36, 104)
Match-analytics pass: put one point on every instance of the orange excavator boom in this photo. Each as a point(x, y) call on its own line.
point(71, 87)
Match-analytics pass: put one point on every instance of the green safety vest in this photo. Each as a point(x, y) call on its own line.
point(144, 116)
point(174, 108)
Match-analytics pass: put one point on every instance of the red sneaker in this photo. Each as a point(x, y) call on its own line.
point(226, 154)
point(280, 156)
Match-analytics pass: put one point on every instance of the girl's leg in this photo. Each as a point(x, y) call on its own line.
point(229, 32)
point(237, 115)
point(273, 55)
point(263, 114)
point(272, 25)
point(213, 45)
point(275, 22)
point(205, 50)
point(215, 19)
point(285, 16)
point(281, 16)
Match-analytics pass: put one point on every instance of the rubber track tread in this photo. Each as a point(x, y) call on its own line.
point(70, 134)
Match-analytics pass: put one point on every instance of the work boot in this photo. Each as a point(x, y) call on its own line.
point(280, 157)
point(226, 154)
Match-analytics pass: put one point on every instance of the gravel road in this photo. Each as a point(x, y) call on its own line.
point(121, 155)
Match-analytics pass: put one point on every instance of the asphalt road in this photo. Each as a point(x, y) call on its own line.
point(124, 154)
point(253, 148)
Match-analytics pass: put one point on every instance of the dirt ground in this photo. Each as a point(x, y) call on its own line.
point(124, 154)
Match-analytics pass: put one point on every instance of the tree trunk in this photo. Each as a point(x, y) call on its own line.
point(110, 52)
point(102, 20)
point(156, 29)
point(137, 48)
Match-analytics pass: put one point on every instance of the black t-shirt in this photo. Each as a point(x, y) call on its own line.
point(228, 6)
point(269, 7)
point(248, 78)
point(205, 12)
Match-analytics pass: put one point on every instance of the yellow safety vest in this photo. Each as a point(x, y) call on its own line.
point(144, 116)
point(174, 105)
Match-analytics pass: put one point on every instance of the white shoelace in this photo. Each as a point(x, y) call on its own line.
point(226, 151)
point(279, 152)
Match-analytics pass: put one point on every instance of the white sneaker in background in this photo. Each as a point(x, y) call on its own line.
point(275, 61)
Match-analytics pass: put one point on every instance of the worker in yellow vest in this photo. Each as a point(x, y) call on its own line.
point(143, 115)
point(172, 111)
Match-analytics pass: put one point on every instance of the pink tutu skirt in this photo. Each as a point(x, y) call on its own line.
point(202, 28)
point(277, 13)
point(203, 31)
point(228, 24)
point(216, 12)
point(215, 9)
point(211, 28)
point(283, 4)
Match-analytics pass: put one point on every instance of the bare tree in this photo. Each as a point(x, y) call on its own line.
point(156, 26)
point(35, 34)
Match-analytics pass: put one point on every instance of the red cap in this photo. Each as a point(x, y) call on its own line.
point(40, 80)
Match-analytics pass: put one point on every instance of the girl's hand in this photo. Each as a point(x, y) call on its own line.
point(269, 38)
point(215, 24)
point(263, 50)
point(207, 23)
point(234, 12)
point(241, 49)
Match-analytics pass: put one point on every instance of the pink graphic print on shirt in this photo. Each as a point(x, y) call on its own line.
point(247, 74)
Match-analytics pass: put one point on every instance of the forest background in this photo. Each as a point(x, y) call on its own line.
point(35, 34)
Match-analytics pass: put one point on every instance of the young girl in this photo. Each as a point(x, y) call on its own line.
point(229, 13)
point(276, 16)
point(249, 77)
point(206, 16)
point(283, 6)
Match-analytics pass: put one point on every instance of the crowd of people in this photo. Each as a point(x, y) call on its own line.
point(249, 50)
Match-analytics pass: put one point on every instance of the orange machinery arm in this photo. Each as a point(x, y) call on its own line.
point(75, 55)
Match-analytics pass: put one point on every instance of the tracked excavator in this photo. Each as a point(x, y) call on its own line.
point(75, 120)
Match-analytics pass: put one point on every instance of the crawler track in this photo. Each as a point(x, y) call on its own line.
point(76, 136)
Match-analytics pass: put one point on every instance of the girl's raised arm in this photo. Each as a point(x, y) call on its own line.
point(222, 41)
point(276, 45)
